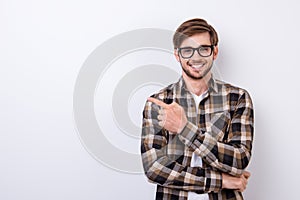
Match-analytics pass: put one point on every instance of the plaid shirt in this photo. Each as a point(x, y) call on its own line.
point(221, 133)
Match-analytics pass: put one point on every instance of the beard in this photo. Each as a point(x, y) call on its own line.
point(192, 76)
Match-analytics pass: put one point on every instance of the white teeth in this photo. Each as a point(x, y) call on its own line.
point(197, 66)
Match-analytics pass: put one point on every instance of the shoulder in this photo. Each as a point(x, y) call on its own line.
point(230, 88)
point(234, 93)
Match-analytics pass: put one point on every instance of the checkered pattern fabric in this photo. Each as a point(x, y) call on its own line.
point(221, 133)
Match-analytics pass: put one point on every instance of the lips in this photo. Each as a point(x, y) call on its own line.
point(196, 65)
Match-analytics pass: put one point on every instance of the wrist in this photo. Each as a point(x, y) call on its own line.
point(224, 184)
point(183, 125)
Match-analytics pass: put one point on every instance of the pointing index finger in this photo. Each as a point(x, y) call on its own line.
point(158, 102)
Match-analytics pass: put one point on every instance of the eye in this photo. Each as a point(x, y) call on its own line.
point(204, 49)
point(187, 50)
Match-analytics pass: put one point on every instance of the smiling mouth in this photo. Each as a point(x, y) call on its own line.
point(196, 65)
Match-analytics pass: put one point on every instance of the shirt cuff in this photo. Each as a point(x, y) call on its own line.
point(188, 134)
point(215, 181)
point(204, 143)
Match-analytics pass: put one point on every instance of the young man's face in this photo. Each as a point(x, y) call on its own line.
point(196, 67)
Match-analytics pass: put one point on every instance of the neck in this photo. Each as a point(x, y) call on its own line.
point(197, 86)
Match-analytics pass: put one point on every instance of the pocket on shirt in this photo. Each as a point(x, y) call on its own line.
point(219, 124)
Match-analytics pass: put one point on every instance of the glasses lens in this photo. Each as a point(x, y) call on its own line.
point(186, 52)
point(205, 51)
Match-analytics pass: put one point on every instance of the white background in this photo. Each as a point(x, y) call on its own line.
point(43, 45)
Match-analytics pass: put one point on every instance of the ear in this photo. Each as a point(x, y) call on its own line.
point(176, 55)
point(216, 51)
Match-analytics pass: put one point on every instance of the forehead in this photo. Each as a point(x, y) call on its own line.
point(197, 40)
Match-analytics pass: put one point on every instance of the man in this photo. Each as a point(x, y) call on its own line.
point(197, 133)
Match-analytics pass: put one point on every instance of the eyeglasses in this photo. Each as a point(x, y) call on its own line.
point(203, 50)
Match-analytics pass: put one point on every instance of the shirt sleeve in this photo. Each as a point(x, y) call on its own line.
point(232, 156)
point(164, 170)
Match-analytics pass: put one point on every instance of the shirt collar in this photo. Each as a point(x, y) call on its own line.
point(212, 85)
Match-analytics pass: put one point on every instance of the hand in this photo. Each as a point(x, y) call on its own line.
point(172, 116)
point(238, 183)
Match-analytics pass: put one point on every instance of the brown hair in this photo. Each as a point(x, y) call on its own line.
point(192, 27)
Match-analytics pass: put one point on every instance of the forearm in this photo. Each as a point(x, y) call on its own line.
point(227, 157)
point(170, 173)
point(164, 161)
point(233, 155)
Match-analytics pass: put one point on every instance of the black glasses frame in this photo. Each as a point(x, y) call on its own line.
point(198, 50)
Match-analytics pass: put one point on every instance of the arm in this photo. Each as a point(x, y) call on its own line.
point(163, 170)
point(233, 156)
